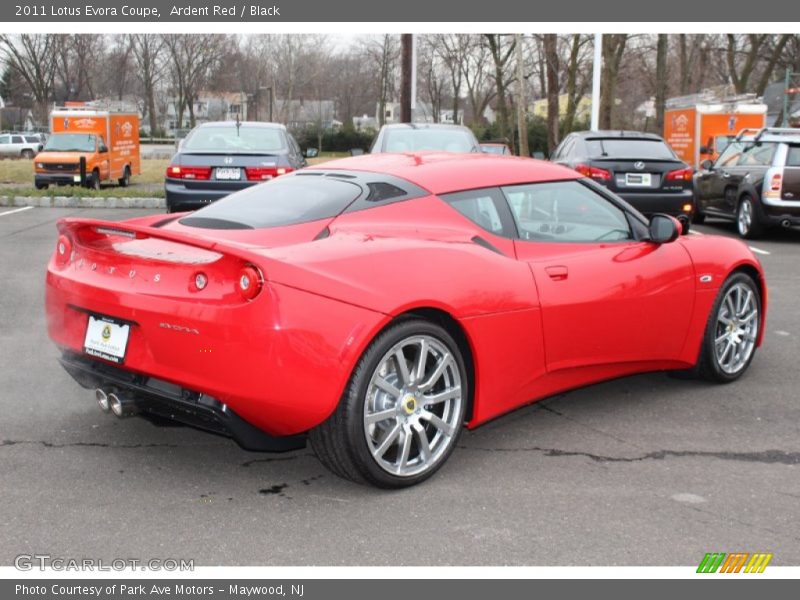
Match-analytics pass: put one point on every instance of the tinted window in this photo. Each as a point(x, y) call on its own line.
point(629, 148)
point(5, 139)
point(32, 138)
point(413, 140)
point(759, 155)
point(565, 211)
point(479, 207)
point(730, 157)
point(16, 139)
point(234, 139)
point(793, 157)
point(288, 200)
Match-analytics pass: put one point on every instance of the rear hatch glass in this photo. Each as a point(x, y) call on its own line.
point(288, 200)
point(229, 139)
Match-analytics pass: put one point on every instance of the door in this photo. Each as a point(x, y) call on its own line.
point(5, 145)
point(717, 188)
point(606, 296)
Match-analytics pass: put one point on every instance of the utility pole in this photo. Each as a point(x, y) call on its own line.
point(596, 68)
point(406, 53)
point(522, 105)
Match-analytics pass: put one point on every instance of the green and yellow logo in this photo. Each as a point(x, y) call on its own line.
point(737, 562)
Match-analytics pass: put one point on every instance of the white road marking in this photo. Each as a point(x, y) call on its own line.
point(693, 232)
point(759, 250)
point(782, 332)
point(16, 210)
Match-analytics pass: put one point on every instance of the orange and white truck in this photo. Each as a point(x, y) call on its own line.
point(700, 130)
point(89, 146)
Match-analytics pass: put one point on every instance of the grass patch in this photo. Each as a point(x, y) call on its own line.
point(78, 192)
point(20, 171)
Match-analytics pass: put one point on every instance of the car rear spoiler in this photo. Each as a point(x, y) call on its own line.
point(73, 225)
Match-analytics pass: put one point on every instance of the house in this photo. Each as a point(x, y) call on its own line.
point(365, 123)
point(208, 106)
point(16, 118)
point(423, 112)
point(582, 111)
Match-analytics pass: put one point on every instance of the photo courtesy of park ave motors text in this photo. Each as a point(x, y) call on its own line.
point(392, 299)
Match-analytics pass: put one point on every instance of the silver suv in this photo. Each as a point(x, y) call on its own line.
point(19, 145)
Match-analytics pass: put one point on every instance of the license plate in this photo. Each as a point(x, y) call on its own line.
point(227, 173)
point(76, 178)
point(106, 339)
point(640, 179)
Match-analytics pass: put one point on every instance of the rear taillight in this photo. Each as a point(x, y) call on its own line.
point(680, 175)
point(265, 173)
point(593, 172)
point(180, 172)
point(63, 250)
point(249, 282)
point(776, 182)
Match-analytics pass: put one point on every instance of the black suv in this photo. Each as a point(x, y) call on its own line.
point(639, 167)
point(754, 182)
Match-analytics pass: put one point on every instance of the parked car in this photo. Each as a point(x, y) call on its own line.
point(495, 148)
point(18, 145)
point(418, 137)
point(376, 304)
point(221, 157)
point(639, 167)
point(755, 182)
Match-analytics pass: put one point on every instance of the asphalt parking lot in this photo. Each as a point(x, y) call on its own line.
point(646, 470)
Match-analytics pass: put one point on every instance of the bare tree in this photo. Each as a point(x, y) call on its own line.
point(477, 78)
point(148, 50)
point(383, 52)
point(551, 67)
point(577, 81)
point(662, 47)
point(613, 50)
point(501, 53)
point(34, 58)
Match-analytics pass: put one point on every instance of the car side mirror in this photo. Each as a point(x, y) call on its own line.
point(705, 150)
point(102, 149)
point(664, 229)
point(311, 153)
point(707, 165)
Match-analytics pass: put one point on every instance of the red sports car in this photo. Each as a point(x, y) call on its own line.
point(375, 305)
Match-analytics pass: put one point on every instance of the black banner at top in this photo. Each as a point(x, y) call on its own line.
point(497, 11)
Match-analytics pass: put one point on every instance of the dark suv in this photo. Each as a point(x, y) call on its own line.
point(754, 182)
point(639, 167)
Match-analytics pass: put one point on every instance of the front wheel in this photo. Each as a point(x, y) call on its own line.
point(125, 180)
point(730, 338)
point(403, 410)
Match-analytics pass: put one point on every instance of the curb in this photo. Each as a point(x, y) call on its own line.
point(82, 202)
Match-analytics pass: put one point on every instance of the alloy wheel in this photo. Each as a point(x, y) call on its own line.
point(736, 329)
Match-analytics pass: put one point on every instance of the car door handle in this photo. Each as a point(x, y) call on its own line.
point(557, 273)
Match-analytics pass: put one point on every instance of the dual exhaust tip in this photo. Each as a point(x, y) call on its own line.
point(112, 402)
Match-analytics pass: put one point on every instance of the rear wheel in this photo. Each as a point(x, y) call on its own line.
point(698, 218)
point(41, 186)
point(27, 154)
point(730, 338)
point(402, 412)
point(125, 180)
point(748, 218)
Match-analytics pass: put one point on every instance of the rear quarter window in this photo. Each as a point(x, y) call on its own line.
point(793, 156)
point(288, 200)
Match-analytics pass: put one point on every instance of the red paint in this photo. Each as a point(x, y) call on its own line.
point(539, 318)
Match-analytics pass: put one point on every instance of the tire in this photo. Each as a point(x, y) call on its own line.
point(94, 182)
point(29, 154)
point(698, 218)
point(748, 218)
point(726, 360)
point(377, 432)
point(41, 186)
point(125, 180)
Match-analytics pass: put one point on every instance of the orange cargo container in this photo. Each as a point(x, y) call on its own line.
point(88, 147)
point(702, 131)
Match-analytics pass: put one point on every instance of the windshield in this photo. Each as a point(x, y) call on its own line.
point(413, 140)
point(229, 139)
point(70, 142)
point(639, 149)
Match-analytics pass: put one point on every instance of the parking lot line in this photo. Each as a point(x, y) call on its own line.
point(759, 250)
point(693, 232)
point(16, 210)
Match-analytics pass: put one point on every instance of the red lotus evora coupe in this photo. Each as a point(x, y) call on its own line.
point(376, 304)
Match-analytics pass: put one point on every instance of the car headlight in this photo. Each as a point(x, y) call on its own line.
point(40, 165)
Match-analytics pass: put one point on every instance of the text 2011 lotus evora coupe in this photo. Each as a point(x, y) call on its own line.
point(375, 305)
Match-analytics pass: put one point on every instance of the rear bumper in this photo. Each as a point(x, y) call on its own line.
point(180, 198)
point(651, 203)
point(168, 401)
point(776, 213)
point(255, 357)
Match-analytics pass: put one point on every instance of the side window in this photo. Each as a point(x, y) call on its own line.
point(730, 157)
point(5, 139)
point(17, 139)
point(565, 211)
point(567, 147)
point(480, 207)
point(793, 157)
point(759, 155)
point(560, 149)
